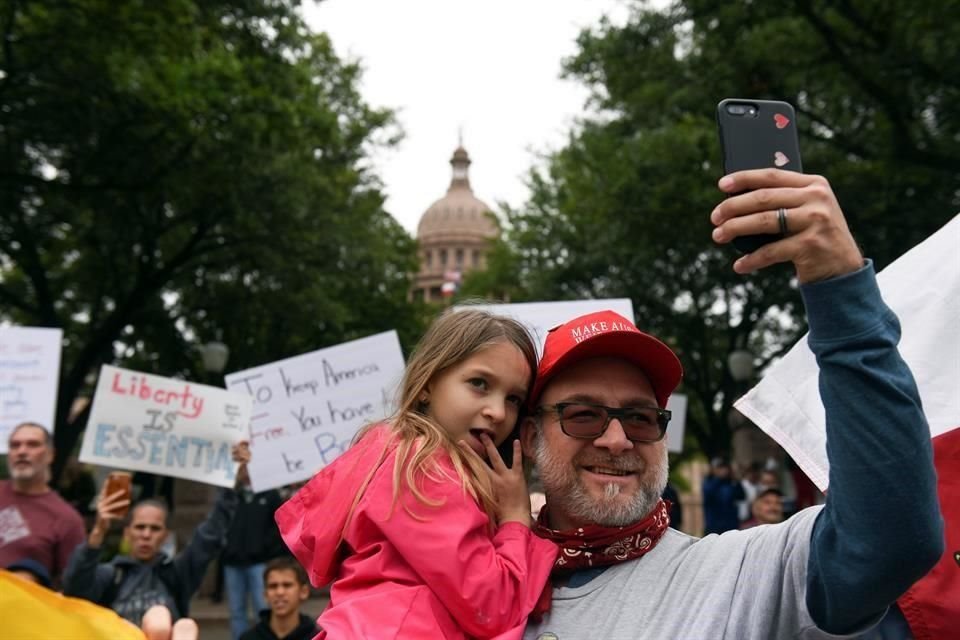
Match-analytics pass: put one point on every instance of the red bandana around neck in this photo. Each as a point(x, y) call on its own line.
point(598, 546)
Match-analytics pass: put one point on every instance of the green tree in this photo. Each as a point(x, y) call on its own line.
point(623, 208)
point(175, 170)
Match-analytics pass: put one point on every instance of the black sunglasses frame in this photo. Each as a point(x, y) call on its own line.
point(663, 418)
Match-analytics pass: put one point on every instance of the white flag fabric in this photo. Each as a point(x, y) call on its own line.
point(923, 288)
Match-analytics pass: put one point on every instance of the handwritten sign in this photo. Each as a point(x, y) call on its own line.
point(540, 317)
point(306, 409)
point(179, 428)
point(29, 376)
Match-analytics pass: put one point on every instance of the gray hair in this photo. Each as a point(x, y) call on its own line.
point(47, 436)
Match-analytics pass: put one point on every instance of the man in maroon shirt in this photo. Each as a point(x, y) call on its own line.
point(35, 522)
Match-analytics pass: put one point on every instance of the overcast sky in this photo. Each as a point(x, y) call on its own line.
point(491, 67)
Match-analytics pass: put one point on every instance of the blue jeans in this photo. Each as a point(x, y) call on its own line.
point(241, 582)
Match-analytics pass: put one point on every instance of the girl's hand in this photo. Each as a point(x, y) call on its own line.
point(509, 485)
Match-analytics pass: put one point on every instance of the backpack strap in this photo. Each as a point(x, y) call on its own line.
point(112, 590)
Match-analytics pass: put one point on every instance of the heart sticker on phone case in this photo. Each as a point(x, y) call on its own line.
point(780, 159)
point(781, 120)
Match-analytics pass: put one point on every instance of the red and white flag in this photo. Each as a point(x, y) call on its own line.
point(923, 288)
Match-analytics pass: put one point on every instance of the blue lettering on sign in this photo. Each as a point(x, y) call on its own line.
point(177, 451)
point(134, 449)
point(100, 440)
point(201, 446)
point(155, 439)
point(162, 449)
point(329, 447)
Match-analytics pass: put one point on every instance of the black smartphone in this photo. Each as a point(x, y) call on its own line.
point(756, 134)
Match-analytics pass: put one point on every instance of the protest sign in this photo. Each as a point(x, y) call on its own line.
point(540, 317)
point(306, 409)
point(144, 422)
point(29, 377)
point(923, 289)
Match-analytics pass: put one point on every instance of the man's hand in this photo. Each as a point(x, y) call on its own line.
point(509, 485)
point(109, 510)
point(818, 242)
point(240, 452)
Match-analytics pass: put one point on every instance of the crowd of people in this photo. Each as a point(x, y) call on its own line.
point(740, 501)
point(43, 540)
point(423, 527)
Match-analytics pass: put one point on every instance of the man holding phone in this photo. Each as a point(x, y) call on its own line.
point(596, 435)
point(130, 585)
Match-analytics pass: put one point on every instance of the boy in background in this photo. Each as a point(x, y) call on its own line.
point(286, 588)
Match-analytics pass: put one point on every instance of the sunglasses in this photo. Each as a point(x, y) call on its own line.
point(589, 421)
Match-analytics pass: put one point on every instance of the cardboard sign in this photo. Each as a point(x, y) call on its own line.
point(308, 408)
point(677, 404)
point(144, 422)
point(540, 317)
point(29, 377)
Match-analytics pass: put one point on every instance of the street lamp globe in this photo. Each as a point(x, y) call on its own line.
point(740, 363)
point(215, 355)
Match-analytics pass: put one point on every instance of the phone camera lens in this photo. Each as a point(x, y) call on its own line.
point(737, 109)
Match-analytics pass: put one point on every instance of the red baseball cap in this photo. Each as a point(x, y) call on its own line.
point(606, 333)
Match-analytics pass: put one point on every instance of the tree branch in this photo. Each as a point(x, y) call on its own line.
point(9, 298)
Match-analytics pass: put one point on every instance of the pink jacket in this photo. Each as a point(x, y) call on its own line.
point(438, 574)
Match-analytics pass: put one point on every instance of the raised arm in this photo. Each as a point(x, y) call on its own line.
point(881, 529)
point(85, 576)
point(210, 537)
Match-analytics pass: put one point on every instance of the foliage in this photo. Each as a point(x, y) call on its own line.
point(180, 170)
point(622, 209)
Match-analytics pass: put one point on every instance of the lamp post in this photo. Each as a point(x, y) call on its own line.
point(215, 355)
point(196, 499)
point(740, 365)
point(749, 443)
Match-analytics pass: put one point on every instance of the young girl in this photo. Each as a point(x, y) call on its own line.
point(420, 537)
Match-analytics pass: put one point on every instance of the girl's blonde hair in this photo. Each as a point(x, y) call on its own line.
point(452, 338)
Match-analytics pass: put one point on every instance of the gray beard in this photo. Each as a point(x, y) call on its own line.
point(567, 494)
point(25, 475)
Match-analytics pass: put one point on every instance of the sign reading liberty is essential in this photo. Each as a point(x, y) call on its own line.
point(306, 409)
point(166, 426)
point(29, 377)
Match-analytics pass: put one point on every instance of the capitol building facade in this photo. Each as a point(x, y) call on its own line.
point(454, 236)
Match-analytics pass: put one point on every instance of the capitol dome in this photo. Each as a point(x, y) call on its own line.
point(459, 213)
point(453, 235)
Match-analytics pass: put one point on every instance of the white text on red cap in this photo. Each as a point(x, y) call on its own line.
point(588, 330)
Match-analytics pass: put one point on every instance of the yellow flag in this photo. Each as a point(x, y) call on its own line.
point(31, 612)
